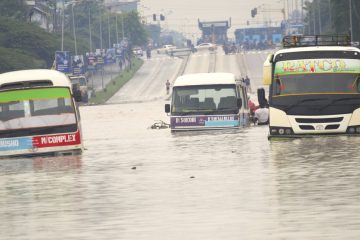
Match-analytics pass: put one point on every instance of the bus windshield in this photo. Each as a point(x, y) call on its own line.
point(316, 76)
point(207, 99)
point(36, 108)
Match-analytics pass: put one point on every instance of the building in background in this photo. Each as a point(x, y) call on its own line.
point(258, 37)
point(120, 6)
point(215, 32)
point(41, 13)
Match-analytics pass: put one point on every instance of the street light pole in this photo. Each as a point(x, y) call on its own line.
point(320, 30)
point(122, 26)
point(72, 11)
point(117, 31)
point(62, 26)
point(101, 44)
point(351, 24)
point(90, 30)
point(109, 30)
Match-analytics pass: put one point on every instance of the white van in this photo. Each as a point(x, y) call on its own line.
point(38, 114)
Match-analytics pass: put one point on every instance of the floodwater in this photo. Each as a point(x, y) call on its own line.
point(135, 183)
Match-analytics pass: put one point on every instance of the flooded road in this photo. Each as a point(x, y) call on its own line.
point(134, 183)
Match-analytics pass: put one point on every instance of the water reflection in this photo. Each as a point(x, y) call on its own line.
point(18, 165)
point(317, 183)
point(136, 183)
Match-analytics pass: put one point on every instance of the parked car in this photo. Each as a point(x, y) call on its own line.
point(138, 52)
point(208, 46)
point(79, 82)
point(166, 49)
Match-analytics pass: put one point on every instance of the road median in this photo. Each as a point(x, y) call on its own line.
point(101, 96)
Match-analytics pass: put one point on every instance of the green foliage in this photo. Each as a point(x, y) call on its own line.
point(27, 40)
point(334, 17)
point(12, 59)
point(133, 30)
point(13, 8)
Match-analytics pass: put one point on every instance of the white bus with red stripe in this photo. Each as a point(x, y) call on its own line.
point(38, 114)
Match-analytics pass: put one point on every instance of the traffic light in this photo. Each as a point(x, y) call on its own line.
point(162, 17)
point(154, 17)
point(253, 12)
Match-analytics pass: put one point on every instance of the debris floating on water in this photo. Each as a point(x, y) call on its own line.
point(159, 124)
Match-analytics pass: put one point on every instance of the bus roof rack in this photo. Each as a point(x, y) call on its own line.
point(316, 40)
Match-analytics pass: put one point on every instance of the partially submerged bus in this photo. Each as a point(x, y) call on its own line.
point(208, 101)
point(38, 114)
point(314, 87)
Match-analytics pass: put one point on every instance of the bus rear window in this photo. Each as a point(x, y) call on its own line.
point(41, 108)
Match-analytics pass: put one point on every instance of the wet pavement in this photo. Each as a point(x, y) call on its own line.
point(132, 182)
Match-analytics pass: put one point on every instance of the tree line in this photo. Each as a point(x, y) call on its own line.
point(25, 45)
point(332, 17)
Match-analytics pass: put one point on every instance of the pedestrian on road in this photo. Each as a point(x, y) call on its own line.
point(247, 83)
point(120, 64)
point(262, 115)
point(167, 86)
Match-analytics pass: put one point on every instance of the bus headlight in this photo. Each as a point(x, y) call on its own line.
point(353, 130)
point(283, 131)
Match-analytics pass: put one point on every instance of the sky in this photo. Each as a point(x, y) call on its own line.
point(182, 15)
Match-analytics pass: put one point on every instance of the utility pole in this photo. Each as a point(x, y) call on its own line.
point(122, 26)
point(101, 44)
point(351, 24)
point(90, 30)
point(314, 21)
point(72, 11)
point(117, 31)
point(62, 27)
point(320, 30)
point(109, 30)
point(330, 12)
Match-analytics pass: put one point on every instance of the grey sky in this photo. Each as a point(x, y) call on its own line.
point(182, 15)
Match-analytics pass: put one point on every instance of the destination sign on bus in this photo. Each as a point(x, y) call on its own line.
point(302, 66)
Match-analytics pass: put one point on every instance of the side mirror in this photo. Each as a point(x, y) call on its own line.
point(267, 70)
point(239, 102)
point(167, 108)
point(261, 96)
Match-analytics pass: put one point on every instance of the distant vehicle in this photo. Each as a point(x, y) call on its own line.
point(208, 46)
point(314, 86)
point(38, 114)
point(138, 52)
point(208, 101)
point(79, 82)
point(148, 53)
point(166, 49)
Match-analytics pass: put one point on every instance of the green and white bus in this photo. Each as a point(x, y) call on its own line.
point(314, 87)
point(38, 114)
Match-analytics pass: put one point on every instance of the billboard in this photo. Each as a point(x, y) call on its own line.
point(63, 61)
point(78, 65)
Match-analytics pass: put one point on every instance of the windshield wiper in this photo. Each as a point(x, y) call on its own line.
point(339, 100)
point(302, 101)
